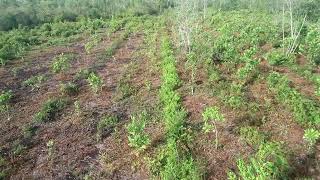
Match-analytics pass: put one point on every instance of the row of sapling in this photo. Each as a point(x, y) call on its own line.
point(173, 162)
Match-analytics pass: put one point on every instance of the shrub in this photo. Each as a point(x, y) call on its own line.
point(49, 110)
point(5, 98)
point(95, 82)
point(138, 139)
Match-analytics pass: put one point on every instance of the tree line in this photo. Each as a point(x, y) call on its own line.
point(15, 13)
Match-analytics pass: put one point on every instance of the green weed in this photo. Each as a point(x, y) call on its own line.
point(104, 124)
point(61, 63)
point(77, 107)
point(5, 98)
point(49, 110)
point(211, 115)
point(50, 148)
point(311, 136)
point(268, 163)
point(110, 51)
point(138, 139)
point(83, 74)
point(252, 136)
point(34, 82)
point(91, 44)
point(69, 89)
point(171, 163)
point(305, 110)
point(278, 57)
point(125, 89)
point(95, 82)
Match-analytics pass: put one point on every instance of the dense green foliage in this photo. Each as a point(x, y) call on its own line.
point(33, 12)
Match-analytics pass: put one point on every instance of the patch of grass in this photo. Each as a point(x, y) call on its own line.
point(49, 110)
point(34, 82)
point(104, 124)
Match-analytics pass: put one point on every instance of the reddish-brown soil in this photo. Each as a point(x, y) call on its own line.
point(76, 151)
